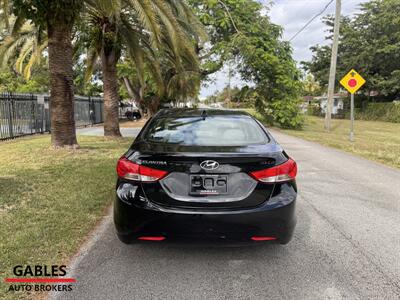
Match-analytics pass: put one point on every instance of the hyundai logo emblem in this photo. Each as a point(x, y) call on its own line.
point(209, 165)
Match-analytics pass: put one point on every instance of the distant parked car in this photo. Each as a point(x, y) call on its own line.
point(133, 115)
point(129, 111)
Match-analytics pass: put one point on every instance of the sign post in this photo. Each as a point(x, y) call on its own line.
point(352, 82)
point(352, 118)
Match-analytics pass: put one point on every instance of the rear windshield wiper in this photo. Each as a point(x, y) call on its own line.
point(185, 123)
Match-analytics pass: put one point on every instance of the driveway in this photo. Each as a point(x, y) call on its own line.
point(99, 131)
point(346, 245)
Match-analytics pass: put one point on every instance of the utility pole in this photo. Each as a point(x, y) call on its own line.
point(332, 73)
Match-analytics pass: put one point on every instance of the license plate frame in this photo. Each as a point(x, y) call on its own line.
point(208, 184)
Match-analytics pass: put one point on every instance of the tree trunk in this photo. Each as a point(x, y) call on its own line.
point(61, 85)
point(136, 94)
point(153, 105)
point(110, 89)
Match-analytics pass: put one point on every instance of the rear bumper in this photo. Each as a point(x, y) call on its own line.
point(274, 218)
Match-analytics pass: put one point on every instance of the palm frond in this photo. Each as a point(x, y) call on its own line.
point(189, 21)
point(184, 84)
point(26, 49)
point(19, 22)
point(9, 48)
point(172, 33)
point(148, 19)
point(24, 42)
point(156, 71)
point(181, 41)
point(135, 49)
point(159, 37)
point(34, 59)
point(91, 60)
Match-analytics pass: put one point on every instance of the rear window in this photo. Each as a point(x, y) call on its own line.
point(211, 131)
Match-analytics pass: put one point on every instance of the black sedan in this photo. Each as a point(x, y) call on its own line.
point(205, 176)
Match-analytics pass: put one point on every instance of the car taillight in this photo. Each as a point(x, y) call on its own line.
point(152, 238)
point(284, 172)
point(129, 170)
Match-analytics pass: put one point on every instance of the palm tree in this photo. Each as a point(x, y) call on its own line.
point(57, 19)
point(139, 28)
point(165, 78)
point(132, 26)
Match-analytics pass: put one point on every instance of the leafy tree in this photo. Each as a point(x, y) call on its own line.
point(320, 62)
point(311, 86)
point(369, 43)
point(242, 33)
point(224, 20)
point(93, 87)
point(244, 97)
point(379, 28)
point(37, 83)
point(267, 62)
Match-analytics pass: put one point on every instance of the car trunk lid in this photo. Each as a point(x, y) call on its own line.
point(206, 178)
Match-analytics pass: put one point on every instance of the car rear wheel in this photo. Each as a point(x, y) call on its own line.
point(285, 238)
point(125, 238)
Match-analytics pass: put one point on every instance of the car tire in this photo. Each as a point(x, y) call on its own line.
point(285, 238)
point(125, 239)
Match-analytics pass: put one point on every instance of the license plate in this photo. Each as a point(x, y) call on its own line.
point(208, 184)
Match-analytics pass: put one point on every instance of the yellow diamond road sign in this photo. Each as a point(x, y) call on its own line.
point(352, 81)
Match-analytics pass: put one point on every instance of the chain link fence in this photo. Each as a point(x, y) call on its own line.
point(25, 114)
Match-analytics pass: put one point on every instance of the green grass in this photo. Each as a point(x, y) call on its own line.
point(51, 199)
point(378, 141)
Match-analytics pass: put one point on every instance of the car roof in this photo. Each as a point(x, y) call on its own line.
point(198, 112)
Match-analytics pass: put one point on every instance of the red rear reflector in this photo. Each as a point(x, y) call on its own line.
point(129, 170)
point(263, 238)
point(284, 172)
point(151, 238)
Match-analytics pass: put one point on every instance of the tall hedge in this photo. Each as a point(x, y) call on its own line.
point(387, 112)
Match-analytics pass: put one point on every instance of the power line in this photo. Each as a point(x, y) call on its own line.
point(312, 19)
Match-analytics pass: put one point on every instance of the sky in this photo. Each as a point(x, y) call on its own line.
point(292, 15)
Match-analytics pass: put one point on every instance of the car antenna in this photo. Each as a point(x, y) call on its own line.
point(204, 114)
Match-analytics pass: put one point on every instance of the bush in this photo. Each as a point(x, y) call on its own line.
point(387, 112)
point(285, 113)
point(314, 110)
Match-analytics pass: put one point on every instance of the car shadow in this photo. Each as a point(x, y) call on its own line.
point(184, 271)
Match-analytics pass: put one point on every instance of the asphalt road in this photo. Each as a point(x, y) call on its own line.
point(346, 245)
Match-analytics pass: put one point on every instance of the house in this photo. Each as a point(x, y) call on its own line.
point(321, 101)
point(307, 100)
point(338, 104)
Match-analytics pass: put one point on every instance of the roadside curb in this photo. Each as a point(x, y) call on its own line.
point(90, 241)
